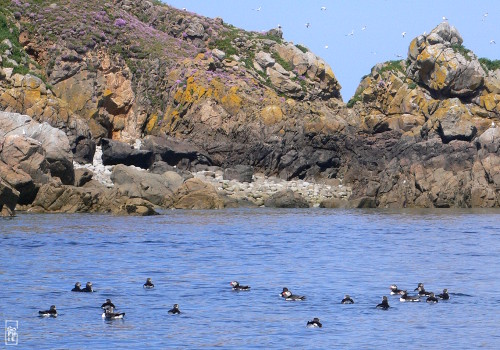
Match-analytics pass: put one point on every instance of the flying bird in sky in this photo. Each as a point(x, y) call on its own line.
point(308, 25)
point(403, 34)
point(258, 8)
point(492, 41)
point(323, 8)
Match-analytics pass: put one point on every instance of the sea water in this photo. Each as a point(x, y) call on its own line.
point(192, 256)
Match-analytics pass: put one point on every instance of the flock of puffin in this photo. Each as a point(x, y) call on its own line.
point(108, 307)
point(110, 314)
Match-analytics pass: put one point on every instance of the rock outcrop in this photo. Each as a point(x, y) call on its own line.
point(200, 95)
point(54, 142)
point(440, 62)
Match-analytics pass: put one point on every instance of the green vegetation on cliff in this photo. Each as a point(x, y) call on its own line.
point(18, 59)
point(489, 65)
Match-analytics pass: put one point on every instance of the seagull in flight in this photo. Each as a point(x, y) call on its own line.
point(258, 8)
point(444, 18)
point(492, 41)
point(323, 8)
point(398, 55)
point(326, 46)
point(351, 33)
point(363, 28)
point(485, 15)
point(308, 25)
point(403, 34)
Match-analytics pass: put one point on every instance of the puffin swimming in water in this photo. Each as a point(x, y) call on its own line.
point(444, 295)
point(77, 288)
point(347, 300)
point(175, 310)
point(315, 323)
point(107, 304)
point(291, 297)
point(236, 286)
point(110, 314)
point(149, 284)
point(48, 313)
point(88, 288)
point(384, 305)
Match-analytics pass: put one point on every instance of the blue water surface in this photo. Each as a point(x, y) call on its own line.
point(193, 255)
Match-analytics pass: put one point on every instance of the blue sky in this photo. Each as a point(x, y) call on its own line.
point(353, 56)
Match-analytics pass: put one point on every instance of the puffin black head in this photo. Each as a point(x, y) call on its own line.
point(419, 287)
point(285, 292)
point(52, 308)
point(78, 285)
point(108, 300)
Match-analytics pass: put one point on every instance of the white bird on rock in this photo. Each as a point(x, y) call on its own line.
point(492, 124)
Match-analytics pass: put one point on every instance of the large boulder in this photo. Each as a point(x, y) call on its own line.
point(175, 152)
point(92, 197)
point(311, 67)
point(135, 183)
point(440, 62)
point(54, 142)
point(286, 199)
point(8, 198)
point(240, 173)
point(161, 167)
point(196, 194)
point(28, 155)
point(116, 152)
point(21, 181)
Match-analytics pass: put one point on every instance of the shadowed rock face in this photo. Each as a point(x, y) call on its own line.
point(116, 152)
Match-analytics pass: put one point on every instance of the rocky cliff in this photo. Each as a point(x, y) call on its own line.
point(200, 94)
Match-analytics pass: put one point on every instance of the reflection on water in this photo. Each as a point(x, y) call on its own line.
point(193, 255)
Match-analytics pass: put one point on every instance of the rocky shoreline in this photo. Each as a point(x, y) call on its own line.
point(94, 122)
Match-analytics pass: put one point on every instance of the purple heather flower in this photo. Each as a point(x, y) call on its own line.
point(120, 22)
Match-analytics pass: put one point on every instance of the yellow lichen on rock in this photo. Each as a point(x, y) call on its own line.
point(489, 101)
point(271, 115)
point(153, 120)
point(232, 101)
